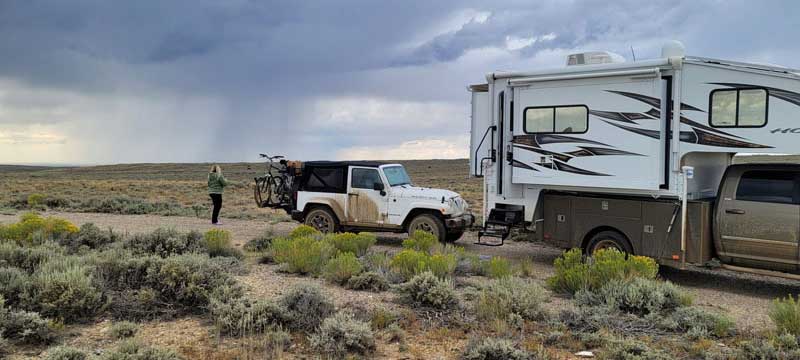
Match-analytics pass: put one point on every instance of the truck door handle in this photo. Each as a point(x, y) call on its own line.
point(734, 211)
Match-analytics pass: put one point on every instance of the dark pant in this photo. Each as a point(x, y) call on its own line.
point(217, 200)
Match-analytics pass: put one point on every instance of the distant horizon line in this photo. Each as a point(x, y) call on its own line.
point(44, 164)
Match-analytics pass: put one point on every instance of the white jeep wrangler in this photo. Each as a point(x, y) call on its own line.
point(336, 196)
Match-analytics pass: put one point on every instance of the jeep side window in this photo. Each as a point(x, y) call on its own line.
point(365, 178)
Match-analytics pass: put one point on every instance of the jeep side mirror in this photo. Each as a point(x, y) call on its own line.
point(378, 186)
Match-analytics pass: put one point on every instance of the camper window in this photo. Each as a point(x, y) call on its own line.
point(556, 119)
point(738, 108)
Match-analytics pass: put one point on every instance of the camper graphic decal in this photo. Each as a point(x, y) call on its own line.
point(558, 160)
point(631, 121)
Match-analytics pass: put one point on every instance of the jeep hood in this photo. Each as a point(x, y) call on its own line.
point(406, 191)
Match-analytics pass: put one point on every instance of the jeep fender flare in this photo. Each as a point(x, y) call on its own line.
point(326, 202)
point(419, 208)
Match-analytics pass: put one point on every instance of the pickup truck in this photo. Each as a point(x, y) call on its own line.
point(754, 221)
point(334, 196)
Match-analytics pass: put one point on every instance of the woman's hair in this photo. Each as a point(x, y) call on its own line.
point(216, 169)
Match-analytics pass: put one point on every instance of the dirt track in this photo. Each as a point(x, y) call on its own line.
point(746, 298)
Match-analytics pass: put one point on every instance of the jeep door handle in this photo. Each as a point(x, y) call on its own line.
point(734, 211)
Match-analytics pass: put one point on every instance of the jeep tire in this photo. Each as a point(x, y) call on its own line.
point(322, 219)
point(429, 223)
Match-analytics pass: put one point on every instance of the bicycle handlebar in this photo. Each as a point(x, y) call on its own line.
point(271, 157)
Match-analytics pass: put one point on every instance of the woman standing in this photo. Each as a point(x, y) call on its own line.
point(216, 184)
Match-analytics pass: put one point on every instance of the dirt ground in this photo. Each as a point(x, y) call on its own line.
point(746, 298)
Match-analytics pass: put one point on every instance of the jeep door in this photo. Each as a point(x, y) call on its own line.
point(366, 205)
point(758, 217)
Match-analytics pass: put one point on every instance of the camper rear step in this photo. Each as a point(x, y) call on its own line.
point(498, 225)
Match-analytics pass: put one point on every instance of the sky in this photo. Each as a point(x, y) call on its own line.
point(101, 82)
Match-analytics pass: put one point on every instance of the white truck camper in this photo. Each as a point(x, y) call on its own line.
point(584, 155)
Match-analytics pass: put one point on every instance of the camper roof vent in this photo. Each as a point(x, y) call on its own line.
point(593, 58)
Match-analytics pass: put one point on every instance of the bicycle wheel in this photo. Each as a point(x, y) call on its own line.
point(259, 191)
point(275, 190)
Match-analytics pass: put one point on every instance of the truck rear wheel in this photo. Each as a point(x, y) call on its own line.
point(322, 219)
point(608, 240)
point(428, 223)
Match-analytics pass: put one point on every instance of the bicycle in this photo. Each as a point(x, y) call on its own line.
point(276, 187)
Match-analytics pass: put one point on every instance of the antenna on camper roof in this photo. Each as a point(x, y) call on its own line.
point(633, 53)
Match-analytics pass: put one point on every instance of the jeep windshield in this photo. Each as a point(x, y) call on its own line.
point(396, 175)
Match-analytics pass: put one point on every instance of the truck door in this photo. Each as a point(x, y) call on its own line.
point(366, 205)
point(759, 218)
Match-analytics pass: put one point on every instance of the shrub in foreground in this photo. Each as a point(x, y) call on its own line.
point(494, 349)
point(65, 288)
point(188, 280)
point(341, 334)
point(638, 296)
point(218, 243)
point(785, 314)
point(35, 229)
point(166, 242)
point(23, 326)
point(573, 272)
point(123, 329)
point(89, 237)
point(497, 267)
point(692, 320)
point(356, 244)
point(632, 349)
point(13, 284)
point(131, 350)
point(430, 291)
point(25, 257)
point(65, 353)
point(306, 306)
point(511, 295)
point(241, 317)
point(304, 231)
point(260, 243)
point(341, 268)
point(408, 263)
point(368, 281)
point(303, 255)
point(421, 241)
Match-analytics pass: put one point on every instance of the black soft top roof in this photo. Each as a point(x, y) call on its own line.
point(343, 163)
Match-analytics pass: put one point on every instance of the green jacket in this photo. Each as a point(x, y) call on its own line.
point(216, 183)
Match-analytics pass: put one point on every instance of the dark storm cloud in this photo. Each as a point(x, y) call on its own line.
point(220, 80)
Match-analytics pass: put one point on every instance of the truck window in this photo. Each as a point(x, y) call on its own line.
point(365, 178)
point(573, 119)
point(766, 186)
point(738, 108)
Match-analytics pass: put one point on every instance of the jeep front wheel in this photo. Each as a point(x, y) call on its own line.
point(428, 223)
point(321, 219)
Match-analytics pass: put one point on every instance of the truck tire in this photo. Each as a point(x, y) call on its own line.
point(429, 223)
point(453, 236)
point(322, 219)
point(608, 239)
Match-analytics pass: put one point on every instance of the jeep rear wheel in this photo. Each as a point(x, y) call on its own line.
point(428, 223)
point(321, 219)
